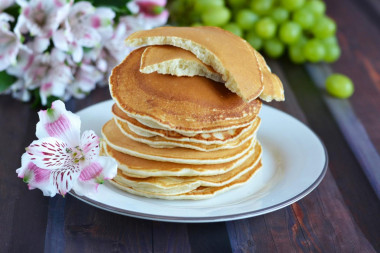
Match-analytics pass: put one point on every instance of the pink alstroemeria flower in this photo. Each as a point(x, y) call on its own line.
point(5, 4)
point(85, 79)
point(9, 43)
point(65, 41)
point(41, 18)
point(50, 73)
point(152, 11)
point(61, 160)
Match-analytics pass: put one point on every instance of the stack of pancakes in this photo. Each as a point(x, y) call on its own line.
point(179, 131)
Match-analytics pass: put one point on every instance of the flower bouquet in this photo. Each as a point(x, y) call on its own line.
point(52, 49)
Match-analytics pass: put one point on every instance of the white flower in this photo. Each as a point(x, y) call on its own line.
point(24, 61)
point(85, 80)
point(5, 4)
point(50, 74)
point(61, 160)
point(9, 43)
point(19, 90)
point(43, 17)
point(65, 41)
point(152, 12)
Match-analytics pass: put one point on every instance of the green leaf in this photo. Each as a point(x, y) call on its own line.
point(6, 80)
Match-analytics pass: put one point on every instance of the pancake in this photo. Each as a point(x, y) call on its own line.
point(139, 167)
point(226, 53)
point(205, 138)
point(161, 142)
point(179, 62)
point(175, 61)
point(188, 105)
point(202, 192)
point(179, 185)
point(273, 89)
point(118, 141)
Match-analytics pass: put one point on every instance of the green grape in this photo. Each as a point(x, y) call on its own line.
point(339, 86)
point(218, 16)
point(316, 6)
point(296, 54)
point(324, 27)
point(255, 41)
point(196, 24)
point(234, 28)
point(246, 19)
point(265, 28)
point(279, 15)
point(304, 17)
point(274, 47)
point(332, 52)
point(290, 32)
point(261, 7)
point(236, 3)
point(201, 6)
point(314, 50)
point(291, 5)
point(330, 40)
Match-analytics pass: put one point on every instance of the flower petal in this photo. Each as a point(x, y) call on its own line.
point(89, 144)
point(64, 179)
point(59, 123)
point(95, 173)
point(35, 176)
point(50, 153)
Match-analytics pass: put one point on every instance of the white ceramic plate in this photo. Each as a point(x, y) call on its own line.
point(294, 163)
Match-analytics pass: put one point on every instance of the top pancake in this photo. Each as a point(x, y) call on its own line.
point(184, 104)
point(226, 53)
point(273, 89)
point(179, 62)
point(175, 61)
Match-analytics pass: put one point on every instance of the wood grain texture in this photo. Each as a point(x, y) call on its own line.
point(22, 212)
point(209, 237)
point(170, 237)
point(349, 177)
point(304, 226)
point(359, 38)
point(350, 126)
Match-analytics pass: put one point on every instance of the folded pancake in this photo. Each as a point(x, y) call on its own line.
point(226, 53)
point(188, 105)
point(118, 141)
point(161, 142)
point(205, 138)
point(273, 89)
point(142, 168)
point(179, 185)
point(179, 62)
point(202, 192)
point(175, 61)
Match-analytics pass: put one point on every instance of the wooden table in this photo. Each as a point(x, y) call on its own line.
point(341, 215)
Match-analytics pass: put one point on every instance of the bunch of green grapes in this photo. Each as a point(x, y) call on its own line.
point(299, 27)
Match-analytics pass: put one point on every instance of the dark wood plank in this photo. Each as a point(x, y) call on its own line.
point(321, 222)
point(353, 185)
point(359, 38)
point(89, 229)
point(170, 237)
point(22, 212)
point(350, 126)
point(209, 237)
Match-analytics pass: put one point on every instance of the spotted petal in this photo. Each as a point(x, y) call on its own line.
point(35, 177)
point(59, 123)
point(90, 144)
point(64, 179)
point(50, 153)
point(95, 173)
